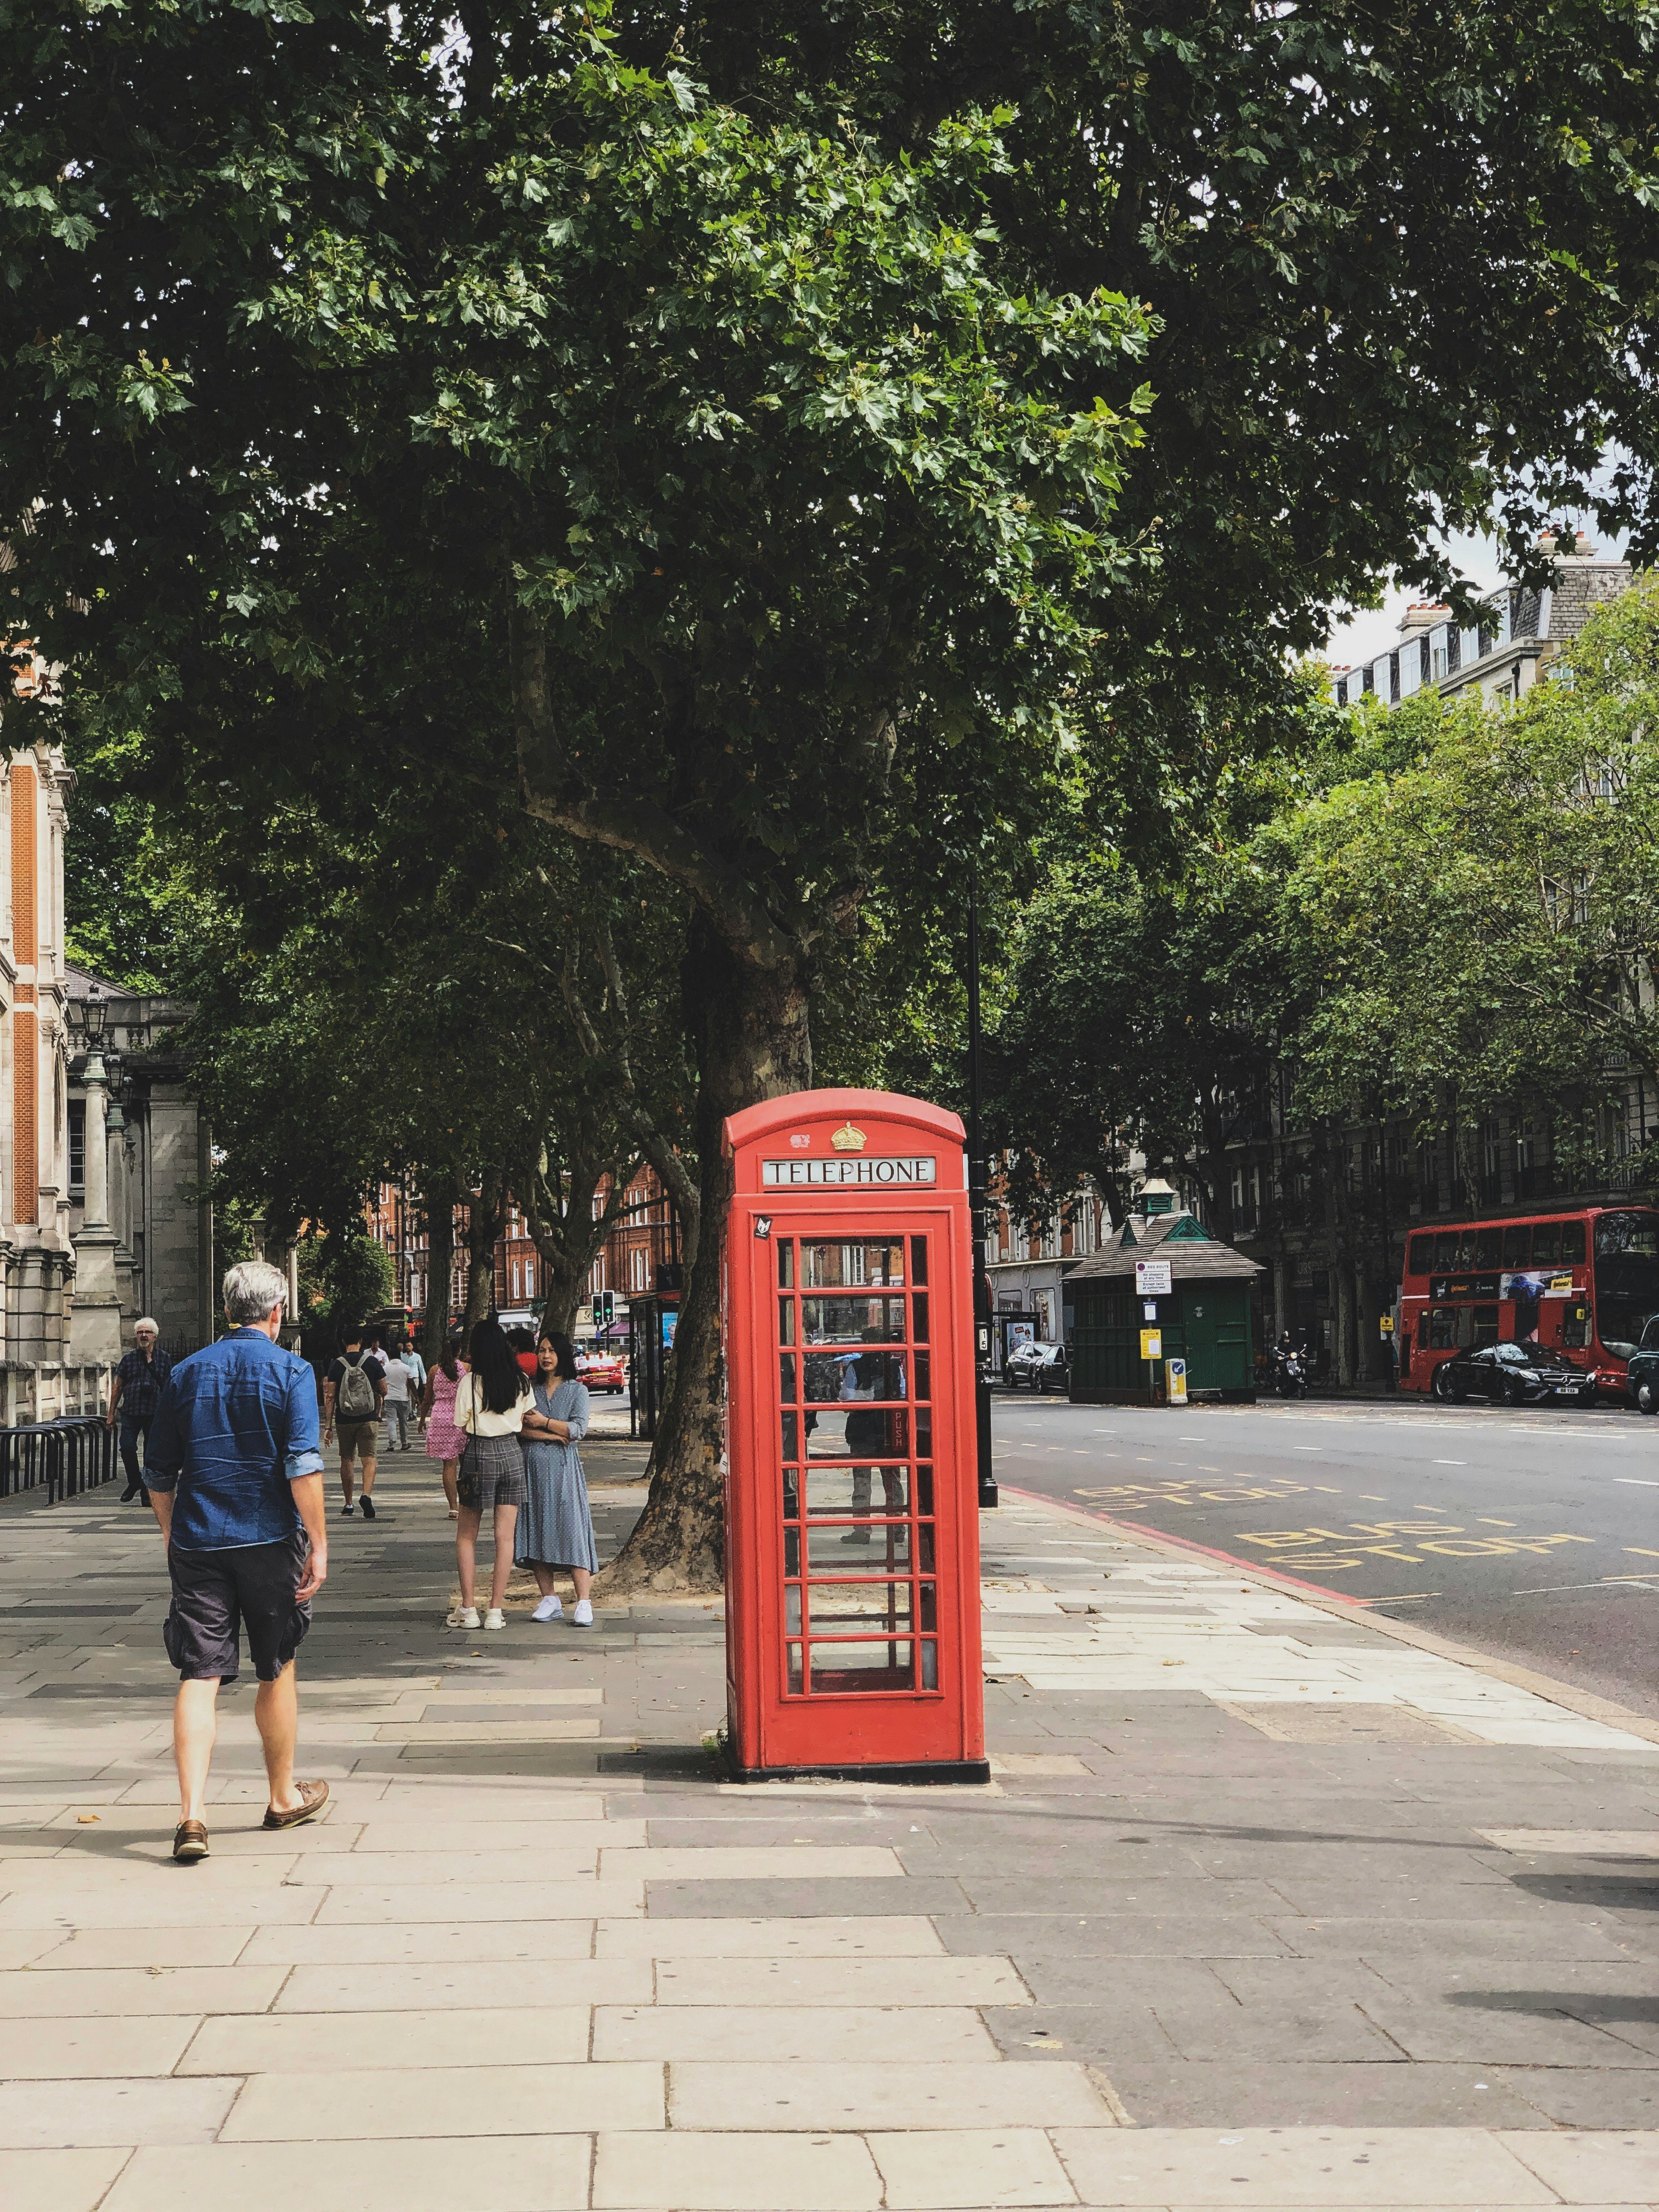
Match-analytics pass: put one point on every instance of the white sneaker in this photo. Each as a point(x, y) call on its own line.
point(465, 1616)
point(549, 1609)
point(583, 1616)
point(495, 1618)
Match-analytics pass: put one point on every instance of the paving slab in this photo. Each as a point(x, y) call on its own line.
point(57, 2180)
point(895, 1936)
point(447, 2100)
point(409, 2040)
point(54, 1990)
point(837, 1981)
point(890, 2035)
point(531, 2174)
point(487, 1942)
point(969, 2167)
point(716, 2172)
point(858, 2095)
point(1324, 2169)
point(70, 2112)
point(92, 2046)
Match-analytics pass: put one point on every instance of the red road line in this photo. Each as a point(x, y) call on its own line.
point(1185, 1544)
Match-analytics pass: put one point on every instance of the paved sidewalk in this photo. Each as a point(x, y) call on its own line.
point(1264, 1908)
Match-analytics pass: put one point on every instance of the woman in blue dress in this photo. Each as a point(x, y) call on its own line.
point(555, 1528)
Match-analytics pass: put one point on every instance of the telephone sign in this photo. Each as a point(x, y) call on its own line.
point(852, 1517)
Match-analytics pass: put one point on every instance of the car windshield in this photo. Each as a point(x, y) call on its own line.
point(1539, 1356)
point(1512, 1355)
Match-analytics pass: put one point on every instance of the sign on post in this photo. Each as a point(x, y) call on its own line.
point(1175, 1369)
point(1151, 1344)
point(1153, 1279)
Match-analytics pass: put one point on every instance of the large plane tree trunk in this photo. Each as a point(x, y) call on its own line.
point(484, 1226)
point(753, 1041)
point(438, 1200)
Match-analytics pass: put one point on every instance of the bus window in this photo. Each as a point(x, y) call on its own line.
point(1421, 1262)
point(1574, 1329)
point(1423, 1330)
point(1572, 1243)
point(1545, 1244)
point(1445, 1251)
point(1443, 1329)
point(1517, 1244)
point(1488, 1248)
point(1465, 1327)
point(1485, 1324)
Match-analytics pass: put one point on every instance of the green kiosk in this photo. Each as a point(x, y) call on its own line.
point(1189, 1303)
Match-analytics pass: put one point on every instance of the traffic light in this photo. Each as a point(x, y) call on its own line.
point(604, 1307)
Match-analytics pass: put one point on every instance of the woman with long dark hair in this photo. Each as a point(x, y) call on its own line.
point(489, 1410)
point(444, 1440)
point(556, 1530)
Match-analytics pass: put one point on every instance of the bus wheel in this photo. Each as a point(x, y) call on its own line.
point(1647, 1398)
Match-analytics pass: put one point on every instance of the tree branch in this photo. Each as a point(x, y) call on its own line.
point(631, 826)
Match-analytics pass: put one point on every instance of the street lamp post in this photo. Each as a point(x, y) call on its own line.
point(94, 1153)
point(978, 1179)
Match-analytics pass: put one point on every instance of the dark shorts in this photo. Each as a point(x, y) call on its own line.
point(215, 1593)
point(359, 1439)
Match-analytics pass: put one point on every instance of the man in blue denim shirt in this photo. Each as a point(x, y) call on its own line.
point(235, 1478)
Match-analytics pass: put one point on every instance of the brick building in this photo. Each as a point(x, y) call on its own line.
point(645, 1239)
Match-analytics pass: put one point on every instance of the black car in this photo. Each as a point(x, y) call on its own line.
point(1513, 1375)
point(1039, 1366)
point(1643, 1380)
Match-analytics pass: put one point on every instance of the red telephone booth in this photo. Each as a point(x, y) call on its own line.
point(851, 1519)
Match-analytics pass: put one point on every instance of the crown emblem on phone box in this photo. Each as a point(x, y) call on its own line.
point(847, 1139)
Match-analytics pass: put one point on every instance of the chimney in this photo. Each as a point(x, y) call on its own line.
point(1584, 547)
point(1423, 614)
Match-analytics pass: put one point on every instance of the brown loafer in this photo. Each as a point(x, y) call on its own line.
point(190, 1841)
point(313, 1795)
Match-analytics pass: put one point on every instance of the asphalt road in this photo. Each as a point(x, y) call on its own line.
point(1531, 1535)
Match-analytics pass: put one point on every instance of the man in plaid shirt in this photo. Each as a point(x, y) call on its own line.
point(139, 1380)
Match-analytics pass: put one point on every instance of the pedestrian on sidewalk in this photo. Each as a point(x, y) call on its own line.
point(416, 1367)
point(139, 1381)
point(235, 1481)
point(354, 1390)
point(398, 1380)
point(555, 1528)
point(489, 1409)
point(444, 1440)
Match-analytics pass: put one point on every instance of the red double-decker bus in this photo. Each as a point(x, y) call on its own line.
point(1582, 1282)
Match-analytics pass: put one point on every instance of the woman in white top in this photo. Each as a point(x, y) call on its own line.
point(489, 1410)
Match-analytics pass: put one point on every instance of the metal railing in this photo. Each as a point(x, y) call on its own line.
point(64, 1458)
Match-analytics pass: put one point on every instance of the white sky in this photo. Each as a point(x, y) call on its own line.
point(1375, 630)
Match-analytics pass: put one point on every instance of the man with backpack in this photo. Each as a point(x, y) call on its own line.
point(354, 1391)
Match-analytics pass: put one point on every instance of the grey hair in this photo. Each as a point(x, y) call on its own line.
point(148, 1322)
point(251, 1291)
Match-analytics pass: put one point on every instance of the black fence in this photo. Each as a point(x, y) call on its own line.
point(64, 1458)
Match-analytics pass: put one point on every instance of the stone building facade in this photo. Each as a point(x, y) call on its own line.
point(143, 1231)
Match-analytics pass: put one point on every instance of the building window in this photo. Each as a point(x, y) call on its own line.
point(77, 1145)
point(1393, 679)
